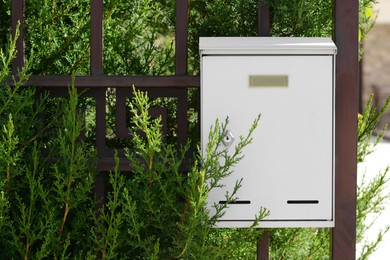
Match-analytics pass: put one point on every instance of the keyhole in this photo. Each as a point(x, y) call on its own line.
point(228, 139)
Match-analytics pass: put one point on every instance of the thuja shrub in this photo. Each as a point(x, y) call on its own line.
point(46, 199)
point(158, 212)
point(371, 194)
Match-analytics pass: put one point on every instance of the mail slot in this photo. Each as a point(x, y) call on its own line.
point(289, 166)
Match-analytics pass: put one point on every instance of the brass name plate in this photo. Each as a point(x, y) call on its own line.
point(274, 81)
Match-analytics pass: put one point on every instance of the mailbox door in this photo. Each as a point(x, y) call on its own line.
point(289, 166)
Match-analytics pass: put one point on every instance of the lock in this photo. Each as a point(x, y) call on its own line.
point(228, 139)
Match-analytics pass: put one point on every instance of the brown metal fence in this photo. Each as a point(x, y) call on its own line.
point(96, 84)
point(177, 85)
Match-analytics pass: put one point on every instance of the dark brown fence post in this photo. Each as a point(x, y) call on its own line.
point(264, 29)
point(96, 37)
point(263, 20)
point(347, 78)
point(96, 68)
point(17, 16)
point(181, 39)
point(181, 67)
point(263, 247)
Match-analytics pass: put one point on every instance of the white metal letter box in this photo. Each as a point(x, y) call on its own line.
point(289, 166)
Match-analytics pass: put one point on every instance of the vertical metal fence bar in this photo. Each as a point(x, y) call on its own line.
point(101, 121)
point(181, 37)
point(96, 37)
point(263, 247)
point(263, 20)
point(182, 107)
point(263, 29)
point(181, 66)
point(100, 187)
point(96, 68)
point(347, 79)
point(17, 16)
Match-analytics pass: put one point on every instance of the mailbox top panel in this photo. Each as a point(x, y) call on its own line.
point(266, 46)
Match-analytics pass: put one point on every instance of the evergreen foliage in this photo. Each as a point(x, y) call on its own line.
point(58, 32)
point(138, 38)
point(371, 196)
point(47, 205)
point(46, 201)
point(158, 211)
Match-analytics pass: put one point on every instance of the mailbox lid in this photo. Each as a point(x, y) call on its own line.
point(266, 45)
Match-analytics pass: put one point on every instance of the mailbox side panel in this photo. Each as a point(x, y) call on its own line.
point(288, 168)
